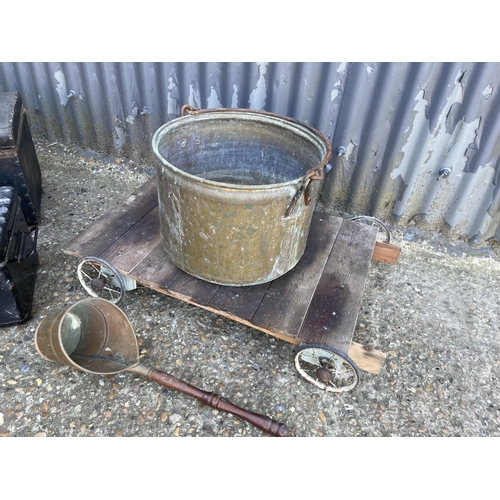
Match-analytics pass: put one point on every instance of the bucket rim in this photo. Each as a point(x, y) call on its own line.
point(228, 113)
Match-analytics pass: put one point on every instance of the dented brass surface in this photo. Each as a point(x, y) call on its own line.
point(227, 187)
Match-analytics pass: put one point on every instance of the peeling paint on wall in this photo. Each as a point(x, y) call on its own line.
point(487, 91)
point(413, 155)
point(172, 98)
point(258, 96)
point(342, 68)
point(133, 114)
point(61, 88)
point(213, 100)
point(234, 98)
point(335, 92)
point(425, 153)
point(194, 95)
point(399, 124)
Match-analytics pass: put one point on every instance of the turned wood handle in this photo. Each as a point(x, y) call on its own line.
point(215, 401)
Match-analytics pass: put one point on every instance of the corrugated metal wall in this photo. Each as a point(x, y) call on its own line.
point(398, 125)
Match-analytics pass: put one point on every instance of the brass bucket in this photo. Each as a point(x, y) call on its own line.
point(95, 336)
point(237, 190)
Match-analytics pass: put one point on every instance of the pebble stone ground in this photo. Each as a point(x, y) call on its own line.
point(435, 313)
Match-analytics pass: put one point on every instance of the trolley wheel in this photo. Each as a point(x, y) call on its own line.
point(100, 279)
point(327, 368)
point(373, 221)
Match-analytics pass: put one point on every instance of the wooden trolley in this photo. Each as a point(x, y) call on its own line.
point(314, 306)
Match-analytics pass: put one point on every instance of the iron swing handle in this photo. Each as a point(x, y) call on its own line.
point(315, 174)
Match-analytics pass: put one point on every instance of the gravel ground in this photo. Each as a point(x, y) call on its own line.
point(435, 313)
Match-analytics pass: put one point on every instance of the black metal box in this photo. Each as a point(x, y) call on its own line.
point(18, 260)
point(19, 165)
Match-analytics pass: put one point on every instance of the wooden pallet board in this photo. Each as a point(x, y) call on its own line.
point(105, 231)
point(337, 298)
point(287, 299)
point(316, 302)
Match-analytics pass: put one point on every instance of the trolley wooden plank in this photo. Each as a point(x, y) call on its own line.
point(337, 298)
point(287, 299)
point(106, 230)
point(316, 302)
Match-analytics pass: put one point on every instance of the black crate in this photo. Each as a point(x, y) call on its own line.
point(19, 165)
point(18, 260)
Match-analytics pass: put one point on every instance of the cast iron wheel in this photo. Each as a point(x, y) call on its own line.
point(100, 279)
point(327, 368)
point(373, 221)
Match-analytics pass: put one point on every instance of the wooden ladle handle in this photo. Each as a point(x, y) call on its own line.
point(214, 401)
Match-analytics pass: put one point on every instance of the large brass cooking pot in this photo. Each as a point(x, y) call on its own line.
point(236, 191)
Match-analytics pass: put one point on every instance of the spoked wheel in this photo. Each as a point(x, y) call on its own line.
point(327, 368)
point(373, 221)
point(100, 279)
